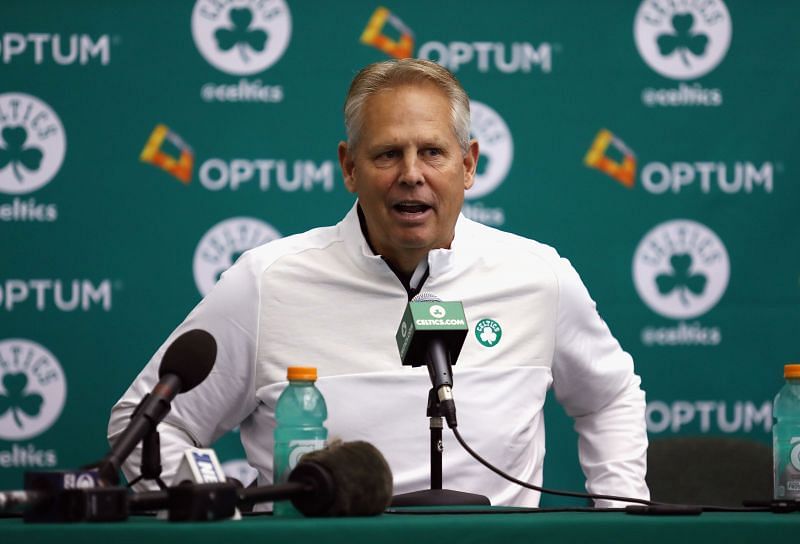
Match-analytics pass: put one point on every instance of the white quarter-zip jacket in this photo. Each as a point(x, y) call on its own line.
point(324, 299)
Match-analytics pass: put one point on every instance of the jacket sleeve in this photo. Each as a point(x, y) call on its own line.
point(226, 397)
point(594, 380)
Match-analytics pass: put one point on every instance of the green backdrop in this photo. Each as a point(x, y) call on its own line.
point(144, 145)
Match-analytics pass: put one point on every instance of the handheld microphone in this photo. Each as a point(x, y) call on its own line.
point(432, 333)
point(186, 363)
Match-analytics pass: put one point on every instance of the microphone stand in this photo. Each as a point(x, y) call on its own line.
point(436, 496)
point(151, 460)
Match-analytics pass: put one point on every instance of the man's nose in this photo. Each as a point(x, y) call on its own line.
point(411, 170)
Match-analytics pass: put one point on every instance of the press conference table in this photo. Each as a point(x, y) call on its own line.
point(505, 528)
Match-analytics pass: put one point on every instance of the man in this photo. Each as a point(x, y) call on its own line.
point(333, 298)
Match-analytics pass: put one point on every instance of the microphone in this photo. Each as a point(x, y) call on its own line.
point(342, 479)
point(432, 333)
point(186, 363)
point(58, 496)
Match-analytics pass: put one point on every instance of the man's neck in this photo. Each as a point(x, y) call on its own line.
point(412, 271)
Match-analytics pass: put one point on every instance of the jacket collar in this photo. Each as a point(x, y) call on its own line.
point(439, 261)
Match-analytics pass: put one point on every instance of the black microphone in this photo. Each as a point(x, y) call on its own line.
point(432, 333)
point(58, 496)
point(186, 363)
point(343, 479)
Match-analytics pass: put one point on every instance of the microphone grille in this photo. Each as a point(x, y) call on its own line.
point(190, 357)
point(362, 479)
point(426, 296)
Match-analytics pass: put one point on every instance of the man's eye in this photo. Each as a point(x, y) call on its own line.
point(433, 152)
point(391, 154)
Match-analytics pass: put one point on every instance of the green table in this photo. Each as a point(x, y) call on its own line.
point(561, 527)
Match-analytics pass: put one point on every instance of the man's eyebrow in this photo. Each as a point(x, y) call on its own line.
point(434, 143)
point(377, 147)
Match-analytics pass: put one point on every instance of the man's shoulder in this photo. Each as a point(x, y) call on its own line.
point(262, 257)
point(490, 241)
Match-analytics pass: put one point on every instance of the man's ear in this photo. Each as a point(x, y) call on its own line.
point(348, 166)
point(471, 163)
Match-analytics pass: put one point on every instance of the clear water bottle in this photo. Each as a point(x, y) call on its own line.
point(299, 414)
point(786, 436)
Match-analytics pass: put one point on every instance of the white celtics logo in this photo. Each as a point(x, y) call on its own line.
point(241, 37)
point(223, 244)
point(32, 143)
point(437, 311)
point(32, 389)
point(682, 40)
point(497, 149)
point(681, 269)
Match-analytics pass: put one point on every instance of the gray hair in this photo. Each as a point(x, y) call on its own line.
point(395, 73)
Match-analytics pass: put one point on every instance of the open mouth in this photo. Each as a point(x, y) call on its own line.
point(411, 208)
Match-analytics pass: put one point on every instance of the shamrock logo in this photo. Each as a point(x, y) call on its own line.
point(683, 40)
point(240, 36)
point(15, 398)
point(15, 152)
point(488, 336)
point(681, 278)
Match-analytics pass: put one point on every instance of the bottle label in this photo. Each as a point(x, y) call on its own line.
point(298, 448)
point(787, 464)
point(794, 455)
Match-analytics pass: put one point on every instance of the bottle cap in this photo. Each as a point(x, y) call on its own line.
point(309, 373)
point(791, 370)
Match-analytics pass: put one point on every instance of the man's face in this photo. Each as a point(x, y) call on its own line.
point(409, 172)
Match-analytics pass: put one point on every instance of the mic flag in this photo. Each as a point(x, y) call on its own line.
point(432, 333)
point(425, 320)
point(199, 466)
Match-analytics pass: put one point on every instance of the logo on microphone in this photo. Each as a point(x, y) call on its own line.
point(241, 37)
point(488, 332)
point(437, 311)
point(32, 389)
point(223, 244)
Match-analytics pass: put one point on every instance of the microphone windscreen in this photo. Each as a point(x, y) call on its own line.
point(362, 477)
point(190, 357)
point(426, 296)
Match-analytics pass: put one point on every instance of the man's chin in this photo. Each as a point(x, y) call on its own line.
point(418, 243)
